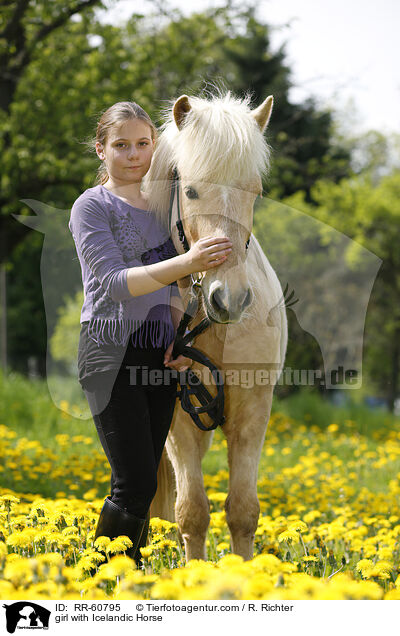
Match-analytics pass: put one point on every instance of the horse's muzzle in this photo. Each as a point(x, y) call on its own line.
point(222, 307)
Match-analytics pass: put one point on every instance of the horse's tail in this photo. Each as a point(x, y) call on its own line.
point(163, 504)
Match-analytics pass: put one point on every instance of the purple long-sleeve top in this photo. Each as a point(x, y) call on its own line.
point(111, 236)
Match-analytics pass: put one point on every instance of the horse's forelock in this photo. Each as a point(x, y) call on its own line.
point(219, 142)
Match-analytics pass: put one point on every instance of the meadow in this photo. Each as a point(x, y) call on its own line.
point(328, 487)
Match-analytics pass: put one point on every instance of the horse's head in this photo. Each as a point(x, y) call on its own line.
point(219, 151)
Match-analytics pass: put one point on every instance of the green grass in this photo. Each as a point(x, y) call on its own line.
point(309, 407)
point(26, 407)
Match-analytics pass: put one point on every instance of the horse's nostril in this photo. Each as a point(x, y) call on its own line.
point(218, 301)
point(226, 308)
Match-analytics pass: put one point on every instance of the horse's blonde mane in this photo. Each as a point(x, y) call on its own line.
point(219, 142)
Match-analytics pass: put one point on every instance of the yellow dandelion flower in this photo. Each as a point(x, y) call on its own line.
point(101, 542)
point(147, 551)
point(8, 500)
point(97, 557)
point(381, 570)
point(385, 553)
point(217, 496)
point(88, 585)
point(22, 539)
point(364, 566)
point(50, 558)
point(267, 563)
point(40, 535)
point(289, 536)
point(90, 494)
point(369, 550)
point(7, 589)
point(166, 589)
point(120, 544)
point(18, 571)
point(311, 516)
point(257, 586)
point(332, 428)
point(118, 566)
point(72, 538)
point(218, 519)
point(299, 526)
point(392, 595)
point(223, 545)
point(167, 543)
point(86, 564)
point(69, 530)
point(62, 439)
point(56, 538)
point(161, 525)
point(230, 561)
point(3, 550)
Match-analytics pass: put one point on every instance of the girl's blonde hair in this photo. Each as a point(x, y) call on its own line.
point(114, 116)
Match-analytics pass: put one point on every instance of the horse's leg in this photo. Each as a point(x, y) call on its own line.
point(245, 432)
point(163, 504)
point(186, 446)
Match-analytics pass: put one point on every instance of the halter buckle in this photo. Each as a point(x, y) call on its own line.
point(196, 282)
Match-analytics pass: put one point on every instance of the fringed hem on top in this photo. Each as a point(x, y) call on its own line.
point(116, 331)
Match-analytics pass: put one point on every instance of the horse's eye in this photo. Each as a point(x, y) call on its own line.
point(191, 193)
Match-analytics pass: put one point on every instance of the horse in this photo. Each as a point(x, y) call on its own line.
point(217, 148)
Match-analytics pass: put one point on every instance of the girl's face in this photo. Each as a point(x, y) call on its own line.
point(128, 151)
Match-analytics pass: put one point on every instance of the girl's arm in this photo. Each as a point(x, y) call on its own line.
point(177, 310)
point(205, 254)
point(93, 238)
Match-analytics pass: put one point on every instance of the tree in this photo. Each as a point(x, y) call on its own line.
point(368, 212)
point(74, 69)
point(25, 27)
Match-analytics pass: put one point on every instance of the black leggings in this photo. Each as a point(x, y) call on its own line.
point(134, 424)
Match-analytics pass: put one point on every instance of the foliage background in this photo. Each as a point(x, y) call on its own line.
point(60, 66)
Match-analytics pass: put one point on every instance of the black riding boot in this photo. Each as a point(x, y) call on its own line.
point(114, 521)
point(142, 543)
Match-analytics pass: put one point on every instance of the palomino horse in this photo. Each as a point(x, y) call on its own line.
point(217, 148)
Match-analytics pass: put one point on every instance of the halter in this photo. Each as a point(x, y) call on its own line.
point(188, 380)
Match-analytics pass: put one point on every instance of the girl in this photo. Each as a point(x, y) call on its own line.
point(129, 317)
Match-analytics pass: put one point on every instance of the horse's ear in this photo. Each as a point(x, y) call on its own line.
point(263, 112)
point(181, 108)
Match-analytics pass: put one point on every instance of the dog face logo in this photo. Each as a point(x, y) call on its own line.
point(26, 615)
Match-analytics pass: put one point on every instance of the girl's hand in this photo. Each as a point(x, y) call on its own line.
point(180, 363)
point(208, 252)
